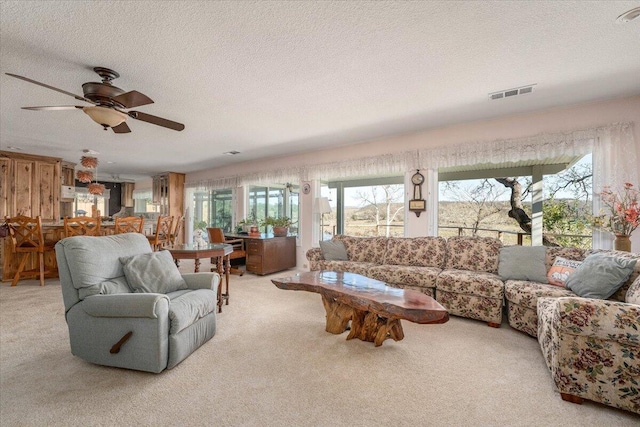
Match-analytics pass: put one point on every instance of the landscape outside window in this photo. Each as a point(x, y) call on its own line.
point(481, 207)
point(368, 210)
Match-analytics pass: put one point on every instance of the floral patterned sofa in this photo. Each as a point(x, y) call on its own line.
point(522, 296)
point(592, 347)
point(460, 272)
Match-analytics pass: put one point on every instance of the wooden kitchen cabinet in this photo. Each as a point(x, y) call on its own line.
point(168, 192)
point(266, 255)
point(31, 186)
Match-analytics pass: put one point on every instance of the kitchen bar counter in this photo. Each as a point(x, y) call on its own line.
point(53, 232)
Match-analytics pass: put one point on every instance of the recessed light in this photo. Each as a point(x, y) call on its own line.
point(110, 163)
point(629, 15)
point(231, 153)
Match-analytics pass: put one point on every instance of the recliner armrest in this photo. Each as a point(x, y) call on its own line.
point(126, 305)
point(202, 280)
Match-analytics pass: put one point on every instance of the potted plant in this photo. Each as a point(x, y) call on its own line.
point(280, 225)
point(245, 225)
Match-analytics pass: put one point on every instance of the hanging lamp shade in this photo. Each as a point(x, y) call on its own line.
point(84, 176)
point(96, 189)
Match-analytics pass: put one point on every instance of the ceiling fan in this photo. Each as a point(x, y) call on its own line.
point(109, 103)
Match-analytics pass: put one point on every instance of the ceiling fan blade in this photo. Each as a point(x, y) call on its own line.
point(156, 120)
point(80, 98)
point(53, 108)
point(132, 99)
point(121, 128)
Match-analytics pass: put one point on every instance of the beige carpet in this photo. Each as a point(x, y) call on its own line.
point(272, 364)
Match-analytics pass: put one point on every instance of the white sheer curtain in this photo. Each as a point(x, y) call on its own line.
point(615, 162)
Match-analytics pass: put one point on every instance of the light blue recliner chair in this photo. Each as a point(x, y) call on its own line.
point(129, 307)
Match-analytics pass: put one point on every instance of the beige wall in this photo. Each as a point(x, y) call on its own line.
point(554, 120)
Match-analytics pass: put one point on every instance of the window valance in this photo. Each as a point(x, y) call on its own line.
point(613, 144)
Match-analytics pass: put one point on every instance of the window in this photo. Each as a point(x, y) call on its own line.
point(84, 202)
point(368, 207)
point(554, 193)
point(213, 209)
point(275, 201)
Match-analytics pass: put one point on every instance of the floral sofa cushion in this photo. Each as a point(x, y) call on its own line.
point(417, 251)
point(522, 301)
point(364, 249)
point(471, 282)
point(361, 268)
point(405, 275)
point(592, 348)
point(473, 253)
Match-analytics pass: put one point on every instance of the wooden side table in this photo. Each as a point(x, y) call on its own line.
point(221, 251)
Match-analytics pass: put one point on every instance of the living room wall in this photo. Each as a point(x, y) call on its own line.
point(555, 120)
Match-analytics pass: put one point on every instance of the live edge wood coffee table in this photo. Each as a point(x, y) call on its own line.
point(374, 309)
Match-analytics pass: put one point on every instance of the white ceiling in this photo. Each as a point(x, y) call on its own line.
point(266, 78)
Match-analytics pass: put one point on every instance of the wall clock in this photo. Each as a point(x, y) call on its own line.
point(417, 204)
point(306, 188)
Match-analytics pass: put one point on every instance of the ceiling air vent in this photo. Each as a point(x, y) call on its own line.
point(508, 93)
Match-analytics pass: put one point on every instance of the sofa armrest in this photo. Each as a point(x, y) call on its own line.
point(126, 305)
point(602, 319)
point(315, 254)
point(202, 280)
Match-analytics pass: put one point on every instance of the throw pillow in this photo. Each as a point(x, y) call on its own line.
point(523, 263)
point(333, 250)
point(561, 269)
point(600, 275)
point(633, 293)
point(153, 272)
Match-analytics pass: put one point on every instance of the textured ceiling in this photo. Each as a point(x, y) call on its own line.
point(266, 78)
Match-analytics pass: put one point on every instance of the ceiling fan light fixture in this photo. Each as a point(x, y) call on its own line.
point(105, 116)
point(629, 16)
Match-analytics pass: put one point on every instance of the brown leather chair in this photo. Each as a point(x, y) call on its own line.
point(129, 224)
point(81, 226)
point(216, 235)
point(162, 236)
point(27, 238)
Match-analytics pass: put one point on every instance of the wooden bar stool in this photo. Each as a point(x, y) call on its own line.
point(81, 226)
point(162, 236)
point(129, 224)
point(27, 238)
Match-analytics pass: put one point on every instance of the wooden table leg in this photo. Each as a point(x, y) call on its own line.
point(197, 269)
point(370, 327)
point(338, 315)
point(227, 271)
point(220, 270)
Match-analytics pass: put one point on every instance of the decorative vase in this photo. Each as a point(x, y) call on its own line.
point(622, 243)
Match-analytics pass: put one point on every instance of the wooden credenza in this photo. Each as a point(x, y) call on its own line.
point(267, 254)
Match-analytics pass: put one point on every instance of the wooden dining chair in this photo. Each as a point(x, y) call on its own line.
point(176, 235)
point(216, 235)
point(129, 224)
point(81, 226)
point(27, 238)
point(162, 236)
